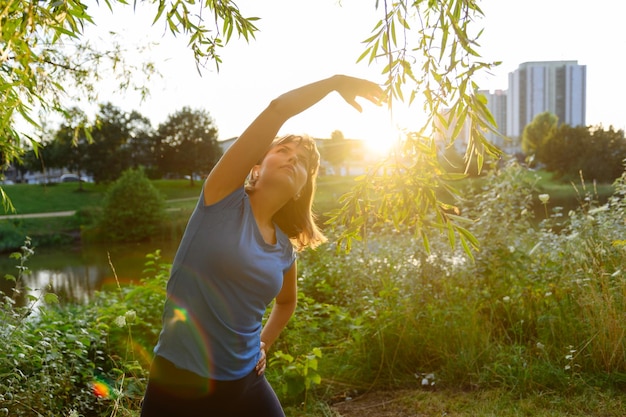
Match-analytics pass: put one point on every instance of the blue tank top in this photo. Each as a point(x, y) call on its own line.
point(223, 277)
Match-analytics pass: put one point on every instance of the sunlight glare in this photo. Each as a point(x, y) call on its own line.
point(381, 138)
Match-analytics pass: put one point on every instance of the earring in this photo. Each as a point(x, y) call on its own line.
point(296, 197)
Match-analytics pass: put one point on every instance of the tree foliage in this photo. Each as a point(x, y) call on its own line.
point(336, 150)
point(593, 152)
point(187, 143)
point(538, 132)
point(431, 50)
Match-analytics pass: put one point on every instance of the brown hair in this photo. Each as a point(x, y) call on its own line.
point(296, 218)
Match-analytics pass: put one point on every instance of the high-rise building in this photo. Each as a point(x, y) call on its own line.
point(555, 86)
point(496, 103)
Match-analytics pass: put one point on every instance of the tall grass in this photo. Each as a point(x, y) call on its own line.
point(540, 308)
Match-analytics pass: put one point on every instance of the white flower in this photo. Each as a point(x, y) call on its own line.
point(544, 198)
point(130, 316)
point(506, 299)
point(120, 321)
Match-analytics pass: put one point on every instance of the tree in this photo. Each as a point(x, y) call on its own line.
point(537, 132)
point(68, 148)
point(188, 140)
point(336, 150)
point(107, 156)
point(595, 153)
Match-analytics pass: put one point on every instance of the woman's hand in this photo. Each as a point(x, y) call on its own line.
point(350, 88)
point(261, 364)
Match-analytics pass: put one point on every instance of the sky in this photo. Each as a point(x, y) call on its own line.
point(301, 41)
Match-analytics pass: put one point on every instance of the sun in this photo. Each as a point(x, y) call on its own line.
point(374, 127)
point(380, 139)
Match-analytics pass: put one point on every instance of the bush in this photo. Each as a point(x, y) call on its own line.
point(11, 235)
point(134, 209)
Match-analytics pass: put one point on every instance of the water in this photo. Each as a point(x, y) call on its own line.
point(74, 273)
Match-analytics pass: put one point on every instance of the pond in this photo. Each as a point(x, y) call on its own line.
point(74, 273)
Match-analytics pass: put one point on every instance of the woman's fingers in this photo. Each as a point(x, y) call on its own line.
point(261, 364)
point(351, 88)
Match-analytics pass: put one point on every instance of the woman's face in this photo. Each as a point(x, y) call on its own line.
point(285, 165)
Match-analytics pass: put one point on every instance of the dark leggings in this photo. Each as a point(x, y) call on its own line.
point(175, 392)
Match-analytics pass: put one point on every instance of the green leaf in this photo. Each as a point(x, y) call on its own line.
point(51, 298)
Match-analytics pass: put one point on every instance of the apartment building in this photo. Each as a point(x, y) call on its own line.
point(559, 87)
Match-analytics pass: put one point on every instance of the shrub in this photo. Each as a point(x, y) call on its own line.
point(11, 235)
point(134, 209)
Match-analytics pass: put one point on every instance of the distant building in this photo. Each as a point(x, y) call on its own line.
point(555, 86)
point(496, 103)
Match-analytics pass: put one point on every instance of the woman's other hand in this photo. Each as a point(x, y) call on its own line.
point(261, 364)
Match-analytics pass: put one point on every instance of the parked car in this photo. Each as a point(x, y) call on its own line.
point(73, 178)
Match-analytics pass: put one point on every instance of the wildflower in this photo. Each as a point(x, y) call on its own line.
point(130, 316)
point(120, 321)
point(544, 198)
point(506, 299)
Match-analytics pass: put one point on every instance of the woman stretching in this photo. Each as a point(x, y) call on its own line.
point(237, 255)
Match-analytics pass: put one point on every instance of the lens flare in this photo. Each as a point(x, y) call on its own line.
point(180, 314)
point(101, 389)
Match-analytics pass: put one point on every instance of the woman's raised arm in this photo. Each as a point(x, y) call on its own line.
point(232, 169)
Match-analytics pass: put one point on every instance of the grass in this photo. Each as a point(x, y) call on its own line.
point(485, 403)
point(43, 198)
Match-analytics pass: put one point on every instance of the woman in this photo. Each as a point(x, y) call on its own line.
point(236, 256)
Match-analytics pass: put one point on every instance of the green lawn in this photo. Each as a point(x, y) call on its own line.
point(40, 198)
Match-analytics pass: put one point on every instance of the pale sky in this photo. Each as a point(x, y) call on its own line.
point(305, 40)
